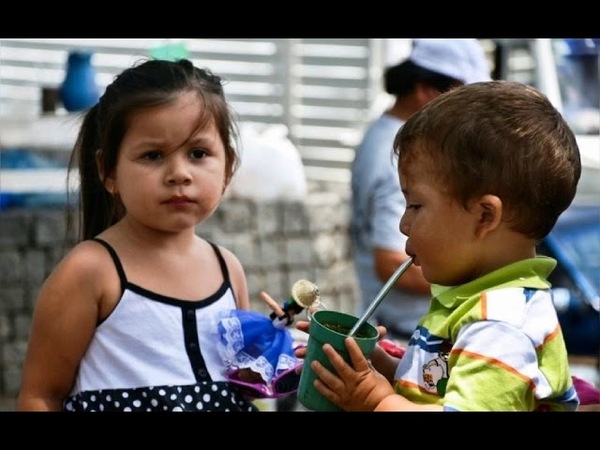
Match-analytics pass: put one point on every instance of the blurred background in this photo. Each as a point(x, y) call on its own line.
point(305, 103)
point(323, 91)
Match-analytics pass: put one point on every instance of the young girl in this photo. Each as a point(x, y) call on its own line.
point(122, 322)
point(486, 170)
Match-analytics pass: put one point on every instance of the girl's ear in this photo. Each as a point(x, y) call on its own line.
point(107, 180)
point(489, 210)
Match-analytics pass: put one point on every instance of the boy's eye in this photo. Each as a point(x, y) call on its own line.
point(198, 153)
point(414, 206)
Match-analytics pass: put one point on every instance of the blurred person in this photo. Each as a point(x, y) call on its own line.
point(433, 67)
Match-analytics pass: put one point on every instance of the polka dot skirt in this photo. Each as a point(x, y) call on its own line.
point(200, 397)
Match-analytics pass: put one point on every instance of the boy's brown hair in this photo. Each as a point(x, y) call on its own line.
point(502, 138)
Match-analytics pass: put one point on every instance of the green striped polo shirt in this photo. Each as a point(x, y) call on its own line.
point(493, 344)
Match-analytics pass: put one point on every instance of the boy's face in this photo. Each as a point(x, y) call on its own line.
point(441, 233)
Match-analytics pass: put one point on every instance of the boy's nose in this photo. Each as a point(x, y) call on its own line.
point(403, 226)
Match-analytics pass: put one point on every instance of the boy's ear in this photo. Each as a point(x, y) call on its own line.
point(107, 181)
point(489, 210)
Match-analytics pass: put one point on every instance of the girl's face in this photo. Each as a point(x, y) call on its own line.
point(170, 175)
point(441, 233)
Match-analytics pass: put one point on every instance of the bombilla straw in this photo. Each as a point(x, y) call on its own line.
point(381, 295)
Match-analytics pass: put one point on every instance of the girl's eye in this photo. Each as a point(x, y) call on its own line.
point(198, 153)
point(414, 206)
point(152, 156)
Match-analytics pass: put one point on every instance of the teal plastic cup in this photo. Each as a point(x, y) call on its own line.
point(331, 327)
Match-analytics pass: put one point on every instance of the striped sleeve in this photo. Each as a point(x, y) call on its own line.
point(512, 359)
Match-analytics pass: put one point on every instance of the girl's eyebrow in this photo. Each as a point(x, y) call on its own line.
point(200, 139)
point(197, 139)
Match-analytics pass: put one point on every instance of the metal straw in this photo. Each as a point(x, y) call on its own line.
point(381, 295)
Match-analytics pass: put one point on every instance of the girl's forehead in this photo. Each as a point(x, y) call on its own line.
point(184, 106)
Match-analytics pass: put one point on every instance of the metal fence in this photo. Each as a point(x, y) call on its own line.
point(323, 90)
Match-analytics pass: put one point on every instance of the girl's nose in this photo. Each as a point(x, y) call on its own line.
point(178, 172)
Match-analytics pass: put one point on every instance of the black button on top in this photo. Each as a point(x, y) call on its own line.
point(190, 315)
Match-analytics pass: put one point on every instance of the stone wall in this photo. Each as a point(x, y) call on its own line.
point(277, 242)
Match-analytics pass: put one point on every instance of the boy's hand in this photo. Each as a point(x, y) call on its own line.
point(359, 387)
point(303, 325)
point(300, 351)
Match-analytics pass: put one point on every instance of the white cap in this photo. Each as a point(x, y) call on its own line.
point(461, 59)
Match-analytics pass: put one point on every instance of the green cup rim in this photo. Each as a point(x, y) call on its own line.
point(329, 311)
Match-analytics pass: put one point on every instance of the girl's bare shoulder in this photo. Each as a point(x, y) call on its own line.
point(87, 266)
point(85, 256)
point(84, 282)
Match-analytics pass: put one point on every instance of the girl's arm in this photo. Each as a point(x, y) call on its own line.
point(64, 321)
